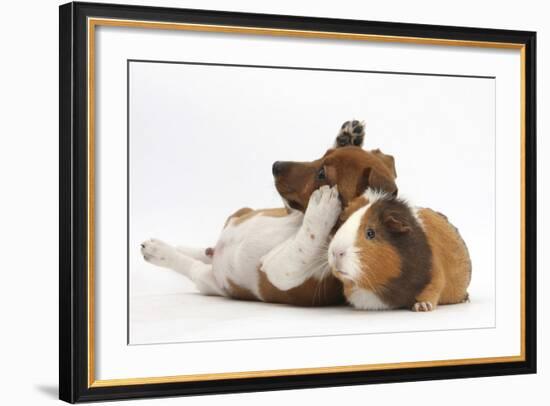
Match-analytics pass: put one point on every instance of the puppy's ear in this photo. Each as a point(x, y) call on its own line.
point(394, 223)
point(376, 179)
point(352, 133)
point(387, 160)
point(329, 151)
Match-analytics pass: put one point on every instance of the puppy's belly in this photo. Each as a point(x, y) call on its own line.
point(241, 246)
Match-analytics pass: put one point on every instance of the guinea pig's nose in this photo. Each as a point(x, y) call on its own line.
point(338, 254)
point(278, 167)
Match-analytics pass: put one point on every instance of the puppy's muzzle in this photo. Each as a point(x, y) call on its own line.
point(279, 167)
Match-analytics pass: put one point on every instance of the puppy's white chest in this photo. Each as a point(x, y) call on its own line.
point(366, 300)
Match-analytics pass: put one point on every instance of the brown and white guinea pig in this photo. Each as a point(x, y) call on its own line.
point(390, 255)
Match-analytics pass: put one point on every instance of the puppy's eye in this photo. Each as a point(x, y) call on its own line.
point(370, 233)
point(321, 174)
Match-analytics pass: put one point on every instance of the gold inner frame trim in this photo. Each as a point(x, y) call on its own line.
point(93, 22)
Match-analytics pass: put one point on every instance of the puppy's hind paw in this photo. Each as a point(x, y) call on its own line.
point(351, 133)
point(157, 252)
point(423, 307)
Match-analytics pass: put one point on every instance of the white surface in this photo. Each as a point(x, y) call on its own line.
point(116, 359)
point(193, 317)
point(29, 296)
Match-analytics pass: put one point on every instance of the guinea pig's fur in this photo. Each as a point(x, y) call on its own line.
point(390, 255)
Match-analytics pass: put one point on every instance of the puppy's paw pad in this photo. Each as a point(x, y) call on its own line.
point(351, 133)
point(156, 252)
point(423, 307)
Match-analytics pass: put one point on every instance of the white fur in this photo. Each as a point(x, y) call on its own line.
point(373, 195)
point(416, 213)
point(342, 252)
point(195, 253)
point(366, 300)
point(240, 248)
point(298, 258)
point(281, 246)
point(159, 253)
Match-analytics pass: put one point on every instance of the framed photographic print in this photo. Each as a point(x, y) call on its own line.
point(256, 202)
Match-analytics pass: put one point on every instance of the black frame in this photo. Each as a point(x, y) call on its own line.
point(73, 293)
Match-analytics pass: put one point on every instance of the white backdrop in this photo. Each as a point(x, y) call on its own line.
point(29, 167)
point(202, 141)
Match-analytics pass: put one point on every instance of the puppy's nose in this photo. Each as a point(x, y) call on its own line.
point(278, 167)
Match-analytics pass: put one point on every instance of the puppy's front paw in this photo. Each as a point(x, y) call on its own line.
point(423, 307)
point(157, 252)
point(351, 133)
point(323, 209)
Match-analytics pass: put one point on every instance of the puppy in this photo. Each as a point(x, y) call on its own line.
point(390, 255)
point(280, 255)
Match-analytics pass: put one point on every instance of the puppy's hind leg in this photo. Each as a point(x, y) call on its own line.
point(161, 254)
point(200, 254)
point(203, 277)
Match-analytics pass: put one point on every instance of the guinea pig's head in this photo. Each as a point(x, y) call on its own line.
point(380, 246)
point(351, 168)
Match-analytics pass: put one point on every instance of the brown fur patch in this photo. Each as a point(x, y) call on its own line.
point(388, 160)
point(355, 170)
point(277, 212)
point(312, 292)
point(240, 293)
point(387, 262)
point(355, 205)
point(452, 267)
point(239, 213)
point(352, 169)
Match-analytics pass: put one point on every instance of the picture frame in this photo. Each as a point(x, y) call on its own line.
point(78, 165)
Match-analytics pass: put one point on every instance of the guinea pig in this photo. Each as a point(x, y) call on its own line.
point(390, 255)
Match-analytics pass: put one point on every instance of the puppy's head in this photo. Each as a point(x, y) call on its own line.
point(351, 168)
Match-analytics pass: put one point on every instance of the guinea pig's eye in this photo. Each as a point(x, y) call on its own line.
point(321, 174)
point(370, 233)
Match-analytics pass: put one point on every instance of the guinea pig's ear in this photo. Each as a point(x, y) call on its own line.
point(387, 160)
point(375, 179)
point(395, 224)
point(352, 133)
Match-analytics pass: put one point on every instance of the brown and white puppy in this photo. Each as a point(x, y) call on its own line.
point(280, 255)
point(390, 255)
